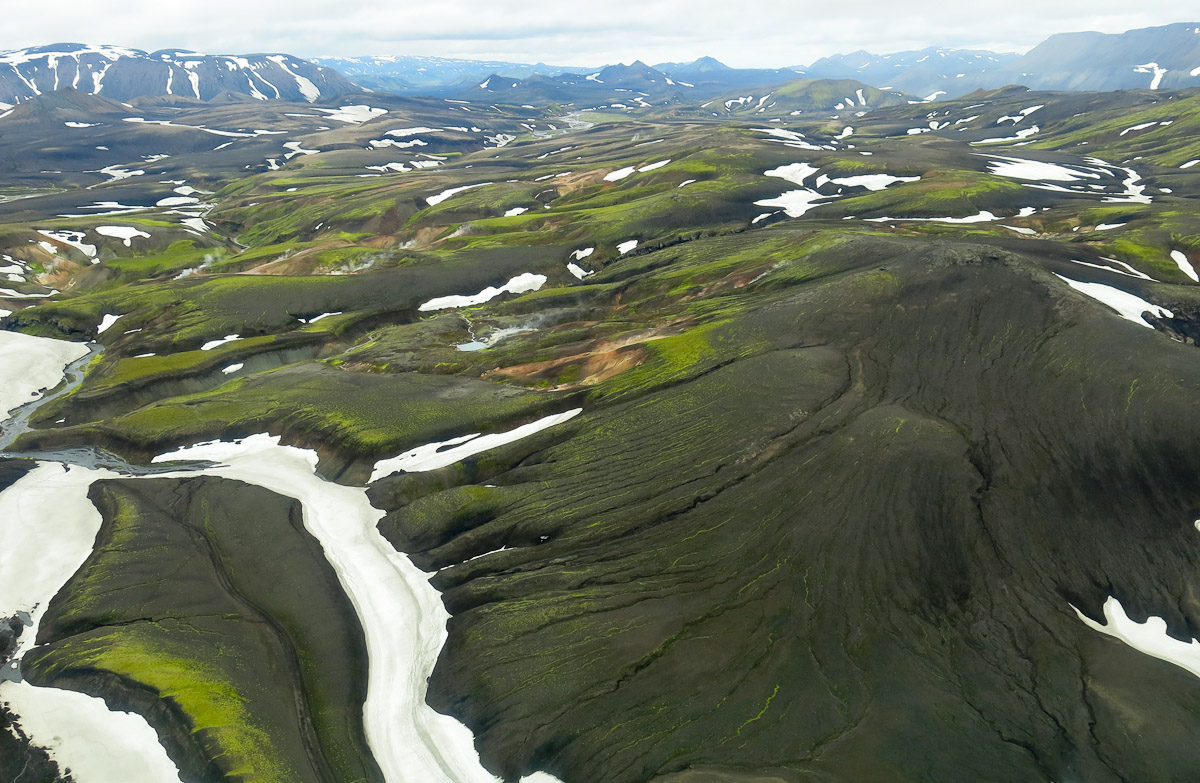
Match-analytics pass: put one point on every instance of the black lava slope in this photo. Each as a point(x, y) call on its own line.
point(850, 553)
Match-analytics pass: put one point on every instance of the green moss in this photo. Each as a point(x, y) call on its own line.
point(203, 691)
point(141, 370)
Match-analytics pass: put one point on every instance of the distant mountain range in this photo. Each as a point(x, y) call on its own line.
point(123, 74)
point(540, 83)
point(1166, 57)
point(430, 75)
point(925, 72)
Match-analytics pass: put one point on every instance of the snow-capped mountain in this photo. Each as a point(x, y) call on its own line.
point(123, 74)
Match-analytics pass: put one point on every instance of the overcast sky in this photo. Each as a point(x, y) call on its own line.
point(746, 33)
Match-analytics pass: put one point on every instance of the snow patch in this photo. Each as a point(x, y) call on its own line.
point(619, 174)
point(106, 322)
point(520, 284)
point(1126, 305)
point(872, 181)
point(229, 338)
point(1150, 637)
point(125, 233)
point(354, 114)
point(1154, 68)
point(433, 201)
point(432, 456)
point(1185, 266)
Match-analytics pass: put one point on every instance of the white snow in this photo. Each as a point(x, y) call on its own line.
point(1150, 637)
point(27, 365)
point(794, 202)
point(619, 174)
point(579, 255)
point(169, 124)
point(8, 293)
point(1142, 126)
point(518, 285)
point(295, 148)
point(515, 211)
point(176, 201)
point(1185, 266)
point(402, 132)
point(1135, 190)
point(1108, 226)
point(1037, 170)
point(1158, 72)
point(1190, 163)
point(1127, 305)
point(106, 322)
point(81, 124)
point(1129, 271)
point(322, 316)
point(208, 346)
point(50, 504)
point(80, 733)
point(74, 239)
point(393, 166)
point(1021, 134)
point(402, 616)
point(125, 233)
point(354, 114)
point(438, 455)
point(116, 173)
point(983, 217)
point(627, 246)
point(402, 145)
point(796, 173)
point(578, 271)
point(233, 368)
point(872, 181)
point(309, 90)
point(686, 182)
point(445, 194)
point(653, 166)
point(789, 138)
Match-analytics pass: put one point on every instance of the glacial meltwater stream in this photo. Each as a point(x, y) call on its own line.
point(49, 527)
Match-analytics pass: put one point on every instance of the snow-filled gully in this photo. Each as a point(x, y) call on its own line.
point(402, 616)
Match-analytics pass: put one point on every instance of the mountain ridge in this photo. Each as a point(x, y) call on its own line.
point(122, 74)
